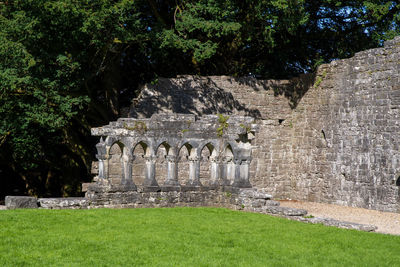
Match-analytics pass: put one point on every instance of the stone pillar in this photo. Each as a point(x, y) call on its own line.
point(150, 174)
point(242, 171)
point(194, 171)
point(127, 171)
point(226, 170)
point(172, 171)
point(215, 171)
point(103, 166)
point(245, 172)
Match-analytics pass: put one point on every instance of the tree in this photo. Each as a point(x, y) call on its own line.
point(69, 65)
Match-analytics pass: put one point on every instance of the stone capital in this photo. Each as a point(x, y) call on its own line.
point(101, 157)
point(194, 158)
point(150, 158)
point(246, 160)
point(226, 159)
point(171, 158)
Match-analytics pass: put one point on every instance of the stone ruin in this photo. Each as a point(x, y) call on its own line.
point(173, 158)
point(228, 141)
point(181, 161)
point(330, 137)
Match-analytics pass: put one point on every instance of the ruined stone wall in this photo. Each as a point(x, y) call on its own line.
point(329, 137)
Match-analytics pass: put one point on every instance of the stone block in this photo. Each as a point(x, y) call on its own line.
point(85, 186)
point(285, 211)
point(64, 203)
point(21, 202)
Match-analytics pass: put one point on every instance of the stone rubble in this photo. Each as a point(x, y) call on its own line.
point(20, 202)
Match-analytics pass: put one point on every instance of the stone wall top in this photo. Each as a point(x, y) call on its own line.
point(180, 125)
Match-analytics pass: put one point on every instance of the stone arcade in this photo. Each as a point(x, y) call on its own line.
point(182, 139)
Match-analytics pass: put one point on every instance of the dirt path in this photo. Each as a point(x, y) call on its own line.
point(387, 222)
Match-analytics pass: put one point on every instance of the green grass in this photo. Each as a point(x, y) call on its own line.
point(182, 237)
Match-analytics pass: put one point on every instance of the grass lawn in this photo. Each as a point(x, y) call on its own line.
point(182, 237)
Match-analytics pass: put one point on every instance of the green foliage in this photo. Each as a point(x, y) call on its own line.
point(52, 54)
point(182, 237)
point(246, 127)
point(319, 79)
point(223, 124)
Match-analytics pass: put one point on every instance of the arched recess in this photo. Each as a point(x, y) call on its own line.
point(115, 164)
point(205, 165)
point(229, 168)
point(140, 150)
point(183, 163)
point(161, 162)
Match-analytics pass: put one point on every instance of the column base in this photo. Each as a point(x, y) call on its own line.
point(151, 183)
point(242, 184)
point(171, 183)
point(186, 188)
point(129, 185)
point(168, 188)
point(151, 189)
point(193, 183)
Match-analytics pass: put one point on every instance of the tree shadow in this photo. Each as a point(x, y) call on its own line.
point(293, 89)
point(202, 95)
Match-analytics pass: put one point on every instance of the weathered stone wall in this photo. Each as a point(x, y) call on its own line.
point(329, 137)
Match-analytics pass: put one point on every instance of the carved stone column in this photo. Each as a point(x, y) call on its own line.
point(150, 174)
point(172, 171)
point(215, 171)
point(127, 171)
point(103, 166)
point(227, 172)
point(194, 171)
point(242, 171)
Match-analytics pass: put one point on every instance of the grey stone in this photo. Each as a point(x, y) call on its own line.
point(21, 202)
point(272, 203)
point(285, 211)
point(341, 224)
point(63, 203)
point(331, 136)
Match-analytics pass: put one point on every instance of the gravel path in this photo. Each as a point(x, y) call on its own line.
point(387, 222)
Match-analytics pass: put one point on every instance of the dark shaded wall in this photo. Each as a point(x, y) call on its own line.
point(328, 137)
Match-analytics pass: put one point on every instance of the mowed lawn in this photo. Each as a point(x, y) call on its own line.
point(182, 237)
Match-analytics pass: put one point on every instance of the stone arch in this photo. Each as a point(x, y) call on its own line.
point(145, 147)
point(205, 163)
point(115, 164)
point(162, 144)
point(110, 141)
point(211, 142)
point(161, 152)
point(228, 164)
point(139, 151)
point(232, 147)
point(185, 150)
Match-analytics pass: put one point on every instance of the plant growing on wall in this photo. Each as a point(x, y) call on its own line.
point(223, 124)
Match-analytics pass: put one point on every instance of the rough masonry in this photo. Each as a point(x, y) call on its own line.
point(179, 155)
point(332, 136)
